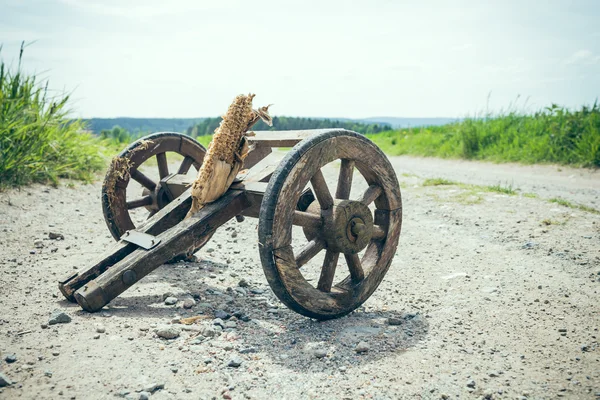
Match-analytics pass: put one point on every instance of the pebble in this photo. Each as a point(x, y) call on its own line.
point(97, 336)
point(209, 331)
point(56, 353)
point(56, 236)
point(222, 314)
point(189, 303)
point(58, 317)
point(493, 374)
point(38, 244)
point(235, 362)
point(243, 283)
point(394, 321)
point(4, 381)
point(168, 332)
point(11, 358)
point(362, 347)
point(471, 383)
point(48, 373)
point(170, 301)
point(100, 329)
point(144, 396)
point(154, 387)
point(230, 324)
point(320, 353)
point(257, 291)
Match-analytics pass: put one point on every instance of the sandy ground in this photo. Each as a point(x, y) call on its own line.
point(497, 297)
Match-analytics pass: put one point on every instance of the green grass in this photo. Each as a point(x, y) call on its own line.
point(567, 203)
point(438, 182)
point(501, 189)
point(38, 142)
point(552, 135)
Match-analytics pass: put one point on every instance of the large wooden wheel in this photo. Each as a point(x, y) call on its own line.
point(332, 224)
point(155, 194)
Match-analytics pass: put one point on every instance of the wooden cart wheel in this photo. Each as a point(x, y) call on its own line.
point(154, 196)
point(332, 224)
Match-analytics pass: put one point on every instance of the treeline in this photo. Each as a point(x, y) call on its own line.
point(208, 125)
point(141, 125)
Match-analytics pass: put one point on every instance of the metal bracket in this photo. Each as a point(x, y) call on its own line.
point(140, 239)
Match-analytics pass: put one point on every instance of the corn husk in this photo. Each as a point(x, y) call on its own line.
point(226, 152)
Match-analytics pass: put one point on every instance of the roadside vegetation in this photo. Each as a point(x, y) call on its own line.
point(38, 140)
point(552, 135)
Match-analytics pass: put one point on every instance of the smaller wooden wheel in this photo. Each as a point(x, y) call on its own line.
point(155, 194)
point(334, 224)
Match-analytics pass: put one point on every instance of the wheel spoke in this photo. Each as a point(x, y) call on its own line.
point(378, 233)
point(309, 251)
point(163, 167)
point(328, 271)
point(137, 203)
point(369, 196)
point(142, 179)
point(345, 180)
point(307, 220)
point(185, 165)
point(356, 272)
point(321, 190)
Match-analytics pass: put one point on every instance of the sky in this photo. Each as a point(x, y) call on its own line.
point(351, 59)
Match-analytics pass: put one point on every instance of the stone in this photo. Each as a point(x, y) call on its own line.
point(257, 291)
point(320, 353)
point(97, 336)
point(165, 295)
point(209, 331)
point(235, 362)
point(58, 317)
point(394, 321)
point(100, 329)
point(144, 396)
point(11, 358)
point(230, 325)
point(38, 244)
point(222, 314)
point(154, 387)
point(4, 381)
point(362, 347)
point(56, 236)
point(168, 332)
point(171, 301)
point(471, 383)
point(243, 283)
point(189, 303)
point(493, 374)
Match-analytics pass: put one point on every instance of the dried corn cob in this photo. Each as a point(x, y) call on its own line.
point(226, 152)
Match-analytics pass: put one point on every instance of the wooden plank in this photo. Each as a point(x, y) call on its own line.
point(184, 236)
point(161, 221)
point(284, 138)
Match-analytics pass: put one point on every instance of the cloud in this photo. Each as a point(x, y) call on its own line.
point(582, 57)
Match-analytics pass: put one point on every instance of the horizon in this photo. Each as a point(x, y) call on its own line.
point(149, 59)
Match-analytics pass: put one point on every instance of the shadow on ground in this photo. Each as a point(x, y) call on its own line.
point(273, 331)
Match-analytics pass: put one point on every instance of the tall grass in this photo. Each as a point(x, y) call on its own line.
point(38, 142)
point(552, 135)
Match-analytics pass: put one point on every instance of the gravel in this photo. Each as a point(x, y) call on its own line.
point(430, 312)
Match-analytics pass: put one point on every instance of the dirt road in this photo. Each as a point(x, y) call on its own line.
point(497, 297)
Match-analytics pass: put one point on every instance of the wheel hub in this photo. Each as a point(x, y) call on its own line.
point(348, 230)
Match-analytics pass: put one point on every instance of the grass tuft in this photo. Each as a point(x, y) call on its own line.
point(501, 189)
point(38, 142)
point(438, 182)
point(567, 203)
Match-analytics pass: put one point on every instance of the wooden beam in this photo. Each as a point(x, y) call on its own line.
point(184, 236)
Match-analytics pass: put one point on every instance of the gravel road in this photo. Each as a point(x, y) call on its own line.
point(489, 296)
